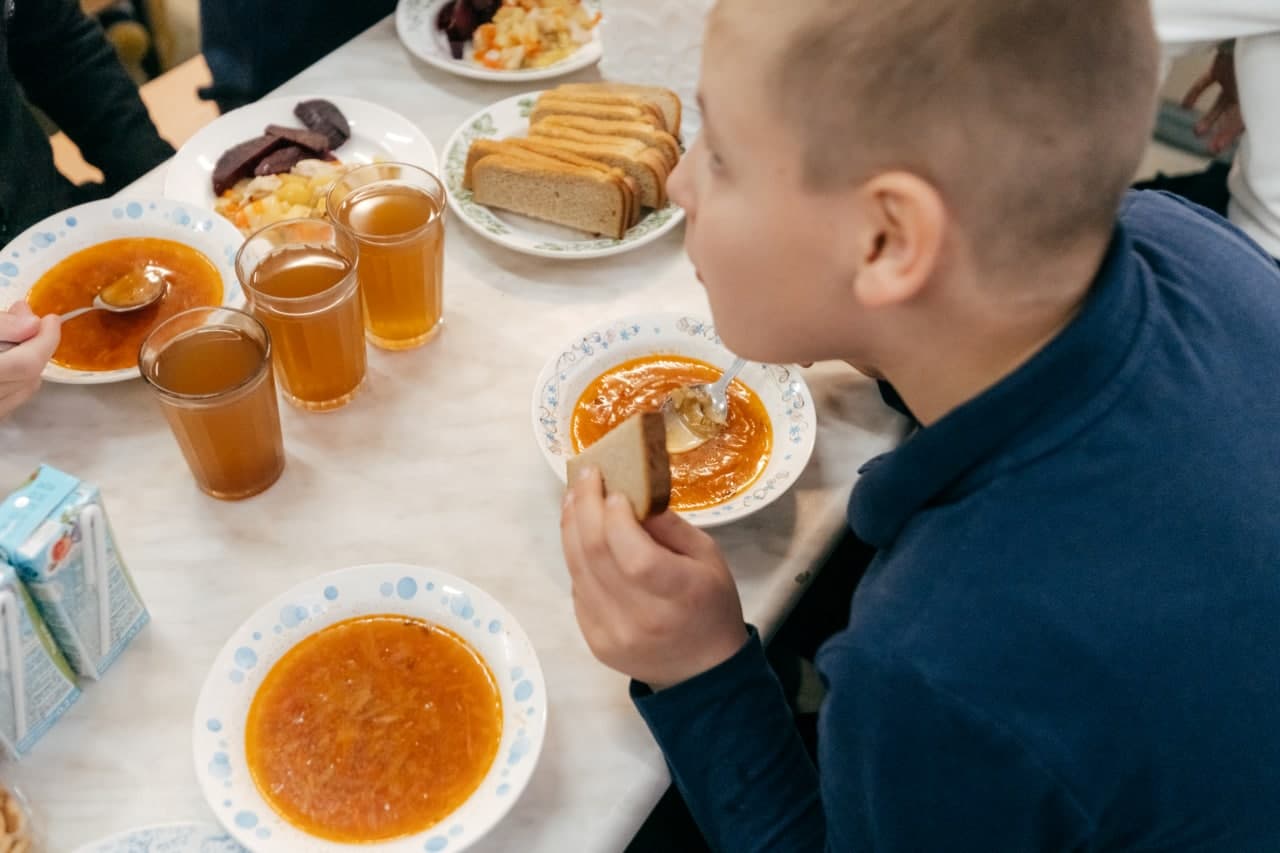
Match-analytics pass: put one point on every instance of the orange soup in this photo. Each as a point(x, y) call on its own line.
point(705, 476)
point(374, 728)
point(100, 340)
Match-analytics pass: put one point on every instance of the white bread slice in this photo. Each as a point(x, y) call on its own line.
point(482, 148)
point(615, 99)
point(530, 146)
point(667, 101)
point(592, 129)
point(556, 106)
point(632, 458)
point(631, 156)
point(566, 195)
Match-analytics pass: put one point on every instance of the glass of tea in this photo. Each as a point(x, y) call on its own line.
point(210, 368)
point(396, 213)
point(299, 277)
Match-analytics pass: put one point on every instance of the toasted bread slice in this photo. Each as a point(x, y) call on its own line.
point(548, 105)
point(568, 195)
point(482, 148)
point(632, 458)
point(584, 129)
point(667, 101)
point(631, 156)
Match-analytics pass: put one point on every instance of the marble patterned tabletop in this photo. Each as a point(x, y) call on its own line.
point(435, 464)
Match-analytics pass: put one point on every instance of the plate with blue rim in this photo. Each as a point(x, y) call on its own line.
point(595, 351)
point(35, 251)
point(523, 234)
point(416, 27)
point(433, 595)
point(167, 838)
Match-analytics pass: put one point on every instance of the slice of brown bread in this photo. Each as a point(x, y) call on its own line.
point(631, 156)
point(667, 101)
point(537, 147)
point(568, 195)
point(632, 458)
point(482, 148)
point(593, 129)
point(548, 105)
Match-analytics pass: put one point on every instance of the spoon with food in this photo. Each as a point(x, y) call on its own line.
point(695, 414)
point(133, 291)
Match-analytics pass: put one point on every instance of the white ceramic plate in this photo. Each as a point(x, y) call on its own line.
point(430, 594)
point(511, 118)
point(33, 252)
point(377, 133)
point(784, 393)
point(416, 26)
point(169, 838)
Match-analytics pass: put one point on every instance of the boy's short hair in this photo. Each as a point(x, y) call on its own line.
point(1030, 116)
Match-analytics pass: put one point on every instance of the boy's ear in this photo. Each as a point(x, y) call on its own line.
point(902, 234)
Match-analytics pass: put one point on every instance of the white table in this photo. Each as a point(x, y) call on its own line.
point(434, 464)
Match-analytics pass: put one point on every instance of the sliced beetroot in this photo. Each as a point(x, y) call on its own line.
point(239, 161)
point(460, 18)
point(323, 117)
point(317, 143)
point(279, 162)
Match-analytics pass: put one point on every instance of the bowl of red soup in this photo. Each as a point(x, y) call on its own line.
point(393, 707)
point(607, 374)
point(61, 263)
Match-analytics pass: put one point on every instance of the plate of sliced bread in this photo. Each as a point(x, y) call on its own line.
point(579, 171)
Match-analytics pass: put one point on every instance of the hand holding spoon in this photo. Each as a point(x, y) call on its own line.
point(131, 292)
point(695, 414)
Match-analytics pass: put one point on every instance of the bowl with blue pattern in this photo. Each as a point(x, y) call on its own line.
point(433, 595)
point(595, 351)
point(35, 251)
point(167, 838)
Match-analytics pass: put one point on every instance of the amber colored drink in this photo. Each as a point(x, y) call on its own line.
point(300, 279)
point(211, 371)
point(396, 213)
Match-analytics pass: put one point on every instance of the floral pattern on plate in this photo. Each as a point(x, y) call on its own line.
point(510, 118)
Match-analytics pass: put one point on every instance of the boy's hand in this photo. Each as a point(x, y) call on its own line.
point(21, 366)
point(1223, 124)
point(655, 601)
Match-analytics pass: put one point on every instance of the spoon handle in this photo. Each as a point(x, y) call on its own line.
point(5, 346)
point(722, 384)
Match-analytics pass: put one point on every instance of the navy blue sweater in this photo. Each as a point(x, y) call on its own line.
point(1070, 636)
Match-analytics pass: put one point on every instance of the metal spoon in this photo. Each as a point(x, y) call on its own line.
point(695, 414)
point(131, 292)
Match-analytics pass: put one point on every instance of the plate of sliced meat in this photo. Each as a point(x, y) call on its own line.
point(579, 171)
point(276, 159)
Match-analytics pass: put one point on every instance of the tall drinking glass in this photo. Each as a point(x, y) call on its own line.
point(210, 369)
point(396, 213)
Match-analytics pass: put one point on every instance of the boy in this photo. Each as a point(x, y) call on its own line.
point(1070, 635)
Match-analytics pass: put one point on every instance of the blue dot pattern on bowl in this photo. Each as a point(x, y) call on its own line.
point(220, 766)
point(459, 604)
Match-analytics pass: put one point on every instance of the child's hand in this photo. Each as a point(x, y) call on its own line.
point(1224, 123)
point(21, 366)
point(654, 601)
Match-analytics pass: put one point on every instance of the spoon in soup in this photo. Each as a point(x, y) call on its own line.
point(695, 414)
point(133, 291)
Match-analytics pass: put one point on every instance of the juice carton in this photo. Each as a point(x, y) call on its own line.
point(54, 531)
point(36, 683)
